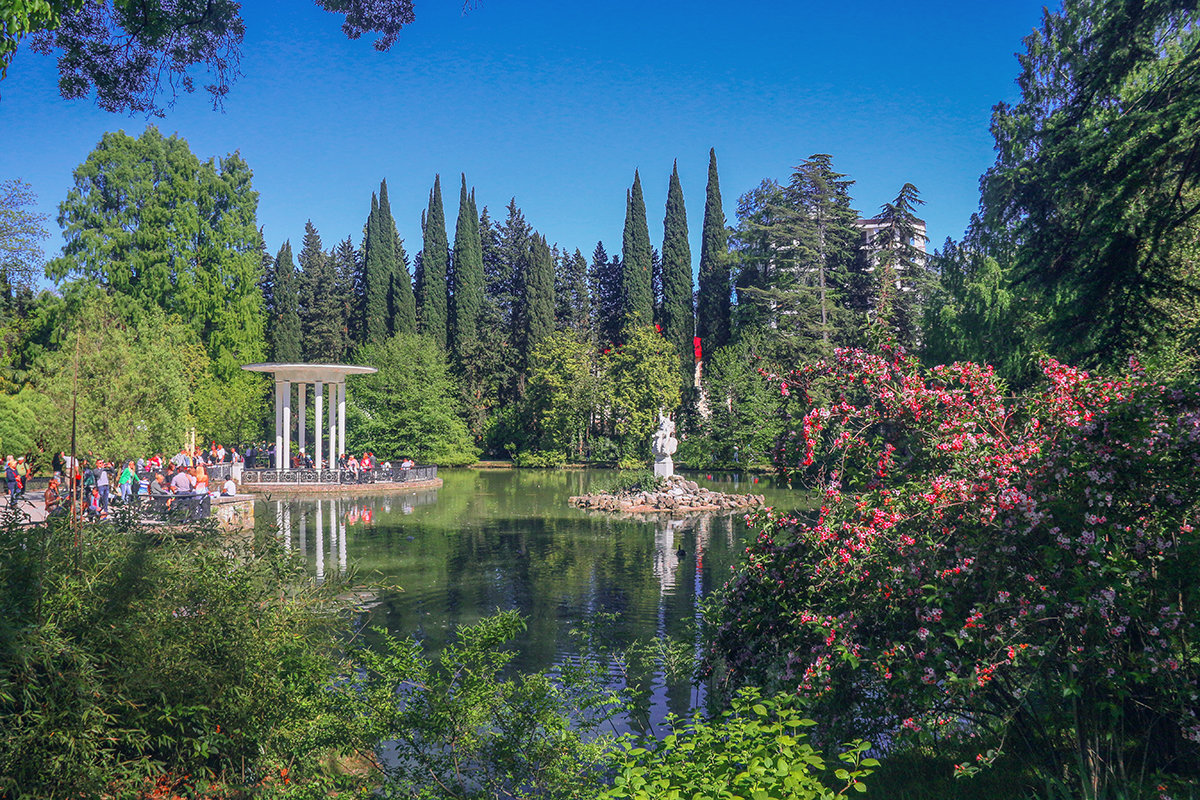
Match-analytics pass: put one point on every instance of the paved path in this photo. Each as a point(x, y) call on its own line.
point(31, 509)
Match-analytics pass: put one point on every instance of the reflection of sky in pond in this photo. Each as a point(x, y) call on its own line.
point(506, 539)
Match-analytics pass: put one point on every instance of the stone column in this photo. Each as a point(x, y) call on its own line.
point(302, 420)
point(287, 425)
point(342, 417)
point(333, 451)
point(318, 408)
point(278, 424)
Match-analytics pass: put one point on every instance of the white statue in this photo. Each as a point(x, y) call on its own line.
point(663, 446)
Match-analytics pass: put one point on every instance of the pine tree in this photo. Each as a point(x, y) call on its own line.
point(497, 282)
point(574, 309)
point(678, 318)
point(466, 302)
point(433, 308)
point(713, 308)
point(897, 252)
point(605, 277)
point(637, 300)
point(513, 249)
point(283, 332)
point(321, 308)
point(377, 277)
point(348, 265)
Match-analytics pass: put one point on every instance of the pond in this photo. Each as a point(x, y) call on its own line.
point(506, 539)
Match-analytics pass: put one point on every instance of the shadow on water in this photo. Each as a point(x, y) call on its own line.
point(506, 539)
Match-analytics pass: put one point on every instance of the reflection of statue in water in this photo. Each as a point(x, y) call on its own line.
point(663, 446)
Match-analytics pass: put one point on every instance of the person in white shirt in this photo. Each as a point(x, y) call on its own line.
point(228, 488)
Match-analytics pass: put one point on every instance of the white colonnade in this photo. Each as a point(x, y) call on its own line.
point(329, 392)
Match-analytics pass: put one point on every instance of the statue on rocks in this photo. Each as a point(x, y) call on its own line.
point(663, 446)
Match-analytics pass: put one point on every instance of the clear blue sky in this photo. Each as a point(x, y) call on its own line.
point(558, 103)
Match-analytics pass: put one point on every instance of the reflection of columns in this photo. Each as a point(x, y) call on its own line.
point(287, 424)
point(334, 453)
point(341, 390)
point(278, 424)
point(287, 527)
point(317, 421)
point(333, 514)
point(342, 546)
point(320, 544)
point(278, 516)
point(303, 533)
point(303, 418)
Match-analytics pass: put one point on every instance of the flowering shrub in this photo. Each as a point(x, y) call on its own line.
point(1016, 571)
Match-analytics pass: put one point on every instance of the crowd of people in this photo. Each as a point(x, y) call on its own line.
point(186, 474)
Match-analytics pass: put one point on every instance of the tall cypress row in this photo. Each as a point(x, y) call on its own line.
point(433, 308)
point(678, 320)
point(402, 308)
point(637, 299)
point(467, 300)
point(283, 335)
point(377, 278)
point(712, 312)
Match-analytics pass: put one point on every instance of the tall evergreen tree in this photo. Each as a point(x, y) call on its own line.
point(466, 302)
point(903, 282)
point(377, 277)
point(348, 265)
point(497, 281)
point(513, 239)
point(321, 308)
point(283, 330)
point(571, 293)
point(537, 297)
point(713, 307)
point(401, 306)
point(605, 278)
point(637, 300)
point(432, 302)
point(678, 317)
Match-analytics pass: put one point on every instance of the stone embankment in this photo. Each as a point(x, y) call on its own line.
point(677, 495)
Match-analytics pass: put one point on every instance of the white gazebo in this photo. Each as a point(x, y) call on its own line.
point(322, 377)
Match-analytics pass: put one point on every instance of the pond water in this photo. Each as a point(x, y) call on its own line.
point(506, 539)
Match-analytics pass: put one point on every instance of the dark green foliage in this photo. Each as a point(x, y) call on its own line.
point(678, 319)
point(283, 313)
point(713, 302)
point(801, 242)
point(1094, 200)
point(743, 407)
point(753, 250)
point(536, 283)
point(321, 308)
point(637, 299)
point(189, 243)
point(605, 277)
point(348, 265)
point(377, 278)
point(410, 406)
point(901, 270)
point(466, 302)
point(498, 292)
point(574, 312)
point(401, 304)
point(431, 299)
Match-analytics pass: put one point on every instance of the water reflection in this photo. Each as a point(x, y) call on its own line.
point(491, 540)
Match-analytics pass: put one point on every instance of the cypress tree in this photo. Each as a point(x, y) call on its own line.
point(348, 265)
point(537, 296)
point(432, 303)
point(466, 302)
point(377, 278)
point(678, 320)
point(514, 250)
point(637, 301)
point(712, 313)
point(401, 308)
point(284, 332)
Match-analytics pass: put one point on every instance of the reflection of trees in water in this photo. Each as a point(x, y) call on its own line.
point(508, 540)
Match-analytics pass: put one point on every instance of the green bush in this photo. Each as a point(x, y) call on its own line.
point(756, 750)
point(130, 657)
point(539, 458)
point(630, 482)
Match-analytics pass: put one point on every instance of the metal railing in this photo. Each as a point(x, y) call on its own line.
point(345, 477)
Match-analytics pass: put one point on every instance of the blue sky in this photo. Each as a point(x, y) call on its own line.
point(558, 103)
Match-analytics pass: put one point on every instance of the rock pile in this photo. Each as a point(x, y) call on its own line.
point(677, 494)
